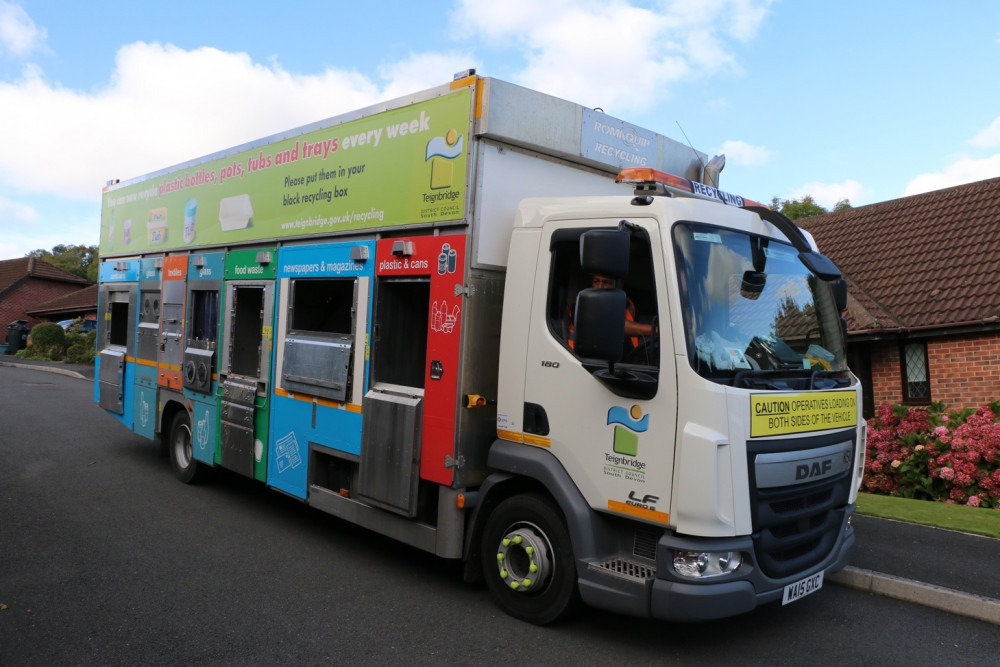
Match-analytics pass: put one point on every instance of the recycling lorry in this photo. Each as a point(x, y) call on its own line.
point(391, 316)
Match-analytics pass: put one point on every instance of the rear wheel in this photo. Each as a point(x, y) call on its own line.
point(528, 560)
point(186, 468)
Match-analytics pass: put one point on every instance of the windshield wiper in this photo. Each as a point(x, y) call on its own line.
point(789, 379)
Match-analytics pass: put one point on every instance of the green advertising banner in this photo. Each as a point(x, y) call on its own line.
point(403, 166)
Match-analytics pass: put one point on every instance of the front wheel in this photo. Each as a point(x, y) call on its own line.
point(186, 468)
point(527, 560)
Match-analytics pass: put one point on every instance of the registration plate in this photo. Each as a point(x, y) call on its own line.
point(802, 588)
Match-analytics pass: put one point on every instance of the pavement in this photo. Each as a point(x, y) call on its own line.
point(944, 569)
point(81, 371)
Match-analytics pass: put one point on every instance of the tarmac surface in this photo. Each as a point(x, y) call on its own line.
point(943, 569)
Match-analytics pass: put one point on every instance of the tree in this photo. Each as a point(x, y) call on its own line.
point(793, 209)
point(80, 260)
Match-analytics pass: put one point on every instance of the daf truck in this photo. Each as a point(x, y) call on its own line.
point(503, 328)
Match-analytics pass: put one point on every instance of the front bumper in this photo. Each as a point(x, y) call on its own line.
point(666, 596)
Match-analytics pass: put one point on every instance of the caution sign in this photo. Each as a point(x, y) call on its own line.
point(781, 414)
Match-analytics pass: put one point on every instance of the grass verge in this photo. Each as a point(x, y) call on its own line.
point(975, 520)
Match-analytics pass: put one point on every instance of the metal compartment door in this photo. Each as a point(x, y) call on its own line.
point(238, 398)
point(390, 457)
point(111, 379)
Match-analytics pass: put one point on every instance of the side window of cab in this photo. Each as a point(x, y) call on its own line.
point(568, 278)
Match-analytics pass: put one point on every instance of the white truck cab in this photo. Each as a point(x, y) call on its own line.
point(712, 465)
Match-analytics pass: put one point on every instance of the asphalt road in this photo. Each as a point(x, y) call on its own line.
point(106, 559)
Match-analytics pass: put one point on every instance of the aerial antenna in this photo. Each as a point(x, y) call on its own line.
point(696, 168)
point(690, 145)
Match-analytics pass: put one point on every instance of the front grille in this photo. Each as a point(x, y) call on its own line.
point(644, 542)
point(795, 527)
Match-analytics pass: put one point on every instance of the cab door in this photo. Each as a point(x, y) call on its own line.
point(616, 447)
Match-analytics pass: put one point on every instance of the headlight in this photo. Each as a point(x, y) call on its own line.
point(703, 564)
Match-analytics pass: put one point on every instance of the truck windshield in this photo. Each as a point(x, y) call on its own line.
point(753, 314)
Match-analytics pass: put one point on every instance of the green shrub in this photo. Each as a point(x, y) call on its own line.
point(38, 353)
point(73, 338)
point(50, 343)
point(80, 353)
point(48, 335)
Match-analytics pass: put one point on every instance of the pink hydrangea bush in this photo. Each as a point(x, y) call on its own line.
point(930, 453)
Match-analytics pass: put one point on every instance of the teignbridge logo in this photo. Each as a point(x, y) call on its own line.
point(623, 461)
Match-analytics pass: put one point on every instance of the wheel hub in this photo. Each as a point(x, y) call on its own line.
point(183, 447)
point(523, 559)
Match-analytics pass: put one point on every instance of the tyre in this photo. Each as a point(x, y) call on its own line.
point(527, 559)
point(186, 468)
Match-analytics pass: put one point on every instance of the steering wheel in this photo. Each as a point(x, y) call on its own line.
point(647, 349)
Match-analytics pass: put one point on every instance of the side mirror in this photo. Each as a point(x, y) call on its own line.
point(605, 252)
point(599, 324)
point(820, 265)
point(840, 294)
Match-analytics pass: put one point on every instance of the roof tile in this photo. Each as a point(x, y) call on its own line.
point(13, 270)
point(930, 260)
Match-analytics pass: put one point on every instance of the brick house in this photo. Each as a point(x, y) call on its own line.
point(81, 303)
point(924, 301)
point(26, 282)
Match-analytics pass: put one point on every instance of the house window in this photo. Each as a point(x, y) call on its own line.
point(916, 378)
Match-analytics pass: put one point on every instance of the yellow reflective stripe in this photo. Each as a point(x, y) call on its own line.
point(537, 440)
point(639, 512)
point(305, 398)
point(513, 436)
point(526, 438)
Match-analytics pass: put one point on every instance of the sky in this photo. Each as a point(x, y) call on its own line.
point(866, 100)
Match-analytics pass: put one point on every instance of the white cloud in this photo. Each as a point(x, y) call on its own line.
point(741, 153)
point(421, 71)
point(166, 105)
point(964, 170)
point(14, 213)
point(18, 33)
point(988, 138)
point(613, 54)
point(828, 194)
point(20, 225)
